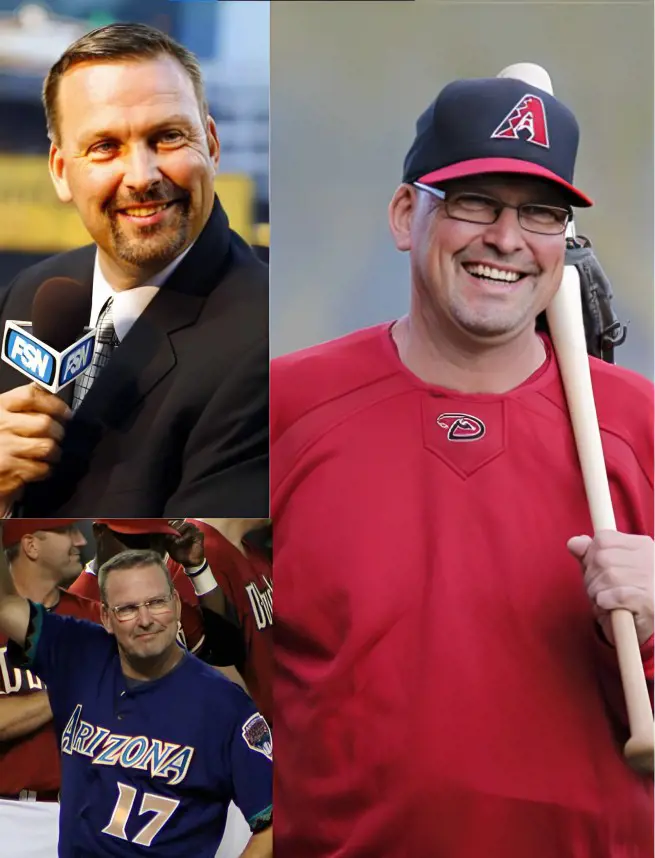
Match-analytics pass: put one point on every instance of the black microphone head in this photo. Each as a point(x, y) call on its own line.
point(60, 311)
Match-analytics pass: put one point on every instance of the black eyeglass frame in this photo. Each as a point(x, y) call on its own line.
point(499, 206)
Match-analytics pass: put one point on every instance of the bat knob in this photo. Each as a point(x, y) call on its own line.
point(639, 751)
point(529, 73)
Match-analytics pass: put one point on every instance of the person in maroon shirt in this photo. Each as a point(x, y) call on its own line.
point(244, 575)
point(446, 683)
point(43, 556)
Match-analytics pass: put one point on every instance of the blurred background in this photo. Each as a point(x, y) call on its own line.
point(348, 81)
point(231, 40)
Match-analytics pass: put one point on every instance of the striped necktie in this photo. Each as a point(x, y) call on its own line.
point(106, 342)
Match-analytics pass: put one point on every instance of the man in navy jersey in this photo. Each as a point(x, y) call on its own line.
point(446, 683)
point(155, 744)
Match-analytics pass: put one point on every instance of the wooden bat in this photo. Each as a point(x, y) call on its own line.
point(566, 327)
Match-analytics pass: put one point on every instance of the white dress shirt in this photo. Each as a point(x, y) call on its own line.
point(128, 303)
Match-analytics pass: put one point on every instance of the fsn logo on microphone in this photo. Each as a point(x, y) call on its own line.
point(76, 362)
point(30, 357)
point(49, 368)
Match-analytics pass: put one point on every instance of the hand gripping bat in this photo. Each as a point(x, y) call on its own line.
point(566, 327)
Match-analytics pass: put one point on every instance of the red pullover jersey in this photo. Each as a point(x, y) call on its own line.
point(32, 762)
point(247, 583)
point(441, 689)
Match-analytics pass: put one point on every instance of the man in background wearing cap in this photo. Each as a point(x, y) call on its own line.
point(244, 576)
point(446, 683)
point(43, 556)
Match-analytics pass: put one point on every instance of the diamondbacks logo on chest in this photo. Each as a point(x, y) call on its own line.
point(461, 427)
point(528, 116)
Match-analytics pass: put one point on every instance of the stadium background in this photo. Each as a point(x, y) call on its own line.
point(230, 38)
point(348, 81)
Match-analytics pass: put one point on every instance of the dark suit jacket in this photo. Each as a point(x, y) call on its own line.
point(177, 423)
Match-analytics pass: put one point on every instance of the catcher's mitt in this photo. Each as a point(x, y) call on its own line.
point(604, 331)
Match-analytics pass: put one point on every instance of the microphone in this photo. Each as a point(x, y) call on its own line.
point(56, 347)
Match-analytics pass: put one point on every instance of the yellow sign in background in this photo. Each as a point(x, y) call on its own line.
point(32, 219)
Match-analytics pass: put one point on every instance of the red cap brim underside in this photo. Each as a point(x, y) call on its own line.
point(481, 166)
point(15, 529)
point(138, 525)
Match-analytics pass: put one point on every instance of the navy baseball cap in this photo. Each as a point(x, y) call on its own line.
point(495, 125)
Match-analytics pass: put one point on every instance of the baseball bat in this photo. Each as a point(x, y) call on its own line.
point(566, 326)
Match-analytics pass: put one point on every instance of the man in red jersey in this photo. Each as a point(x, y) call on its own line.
point(43, 556)
point(446, 684)
point(245, 576)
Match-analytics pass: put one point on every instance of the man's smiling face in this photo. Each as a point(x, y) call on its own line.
point(136, 157)
point(489, 280)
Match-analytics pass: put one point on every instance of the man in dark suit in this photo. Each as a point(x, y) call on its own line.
point(175, 423)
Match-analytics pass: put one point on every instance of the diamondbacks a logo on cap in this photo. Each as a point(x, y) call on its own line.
point(527, 116)
point(462, 427)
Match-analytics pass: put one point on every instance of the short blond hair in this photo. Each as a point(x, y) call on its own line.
point(133, 559)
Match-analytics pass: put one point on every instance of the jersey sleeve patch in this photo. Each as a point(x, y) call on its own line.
point(257, 735)
point(261, 820)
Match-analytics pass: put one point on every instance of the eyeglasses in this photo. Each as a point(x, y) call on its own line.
point(159, 605)
point(480, 208)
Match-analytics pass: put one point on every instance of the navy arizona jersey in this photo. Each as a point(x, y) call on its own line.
point(147, 769)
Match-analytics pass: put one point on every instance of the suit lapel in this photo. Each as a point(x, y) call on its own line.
point(141, 360)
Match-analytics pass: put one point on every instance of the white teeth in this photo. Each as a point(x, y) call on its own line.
point(145, 212)
point(493, 273)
